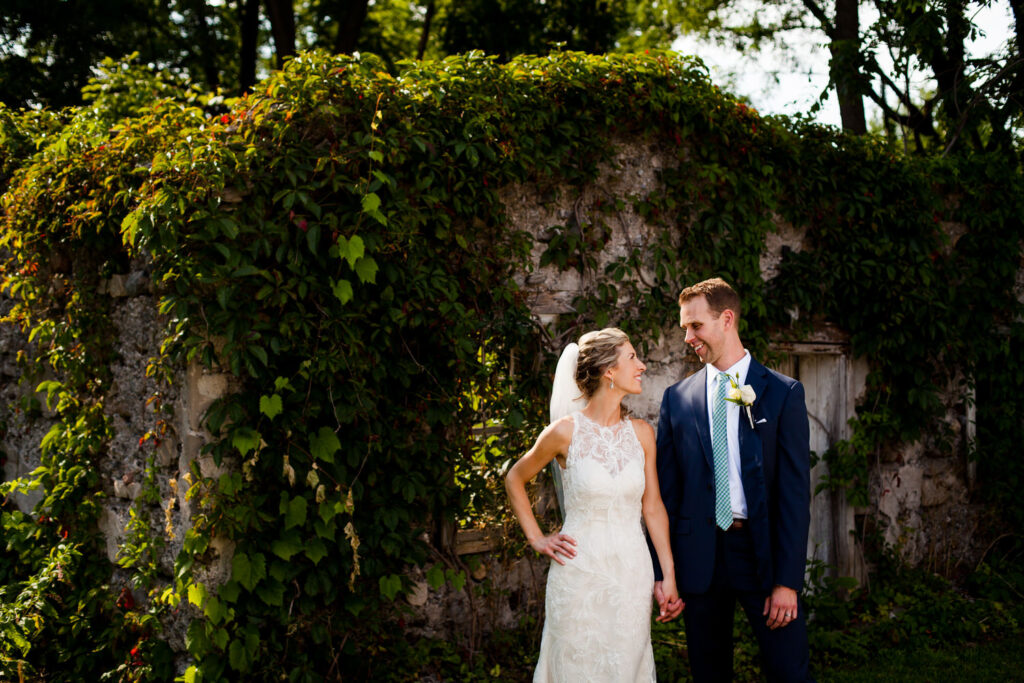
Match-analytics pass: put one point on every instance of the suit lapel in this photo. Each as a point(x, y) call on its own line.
point(757, 378)
point(699, 403)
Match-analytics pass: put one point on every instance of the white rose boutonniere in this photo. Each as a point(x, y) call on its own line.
point(741, 395)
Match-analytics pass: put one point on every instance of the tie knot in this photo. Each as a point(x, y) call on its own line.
point(723, 379)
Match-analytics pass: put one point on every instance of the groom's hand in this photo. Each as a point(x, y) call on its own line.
point(780, 607)
point(667, 609)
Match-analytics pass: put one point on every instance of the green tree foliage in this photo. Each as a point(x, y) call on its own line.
point(935, 96)
point(50, 47)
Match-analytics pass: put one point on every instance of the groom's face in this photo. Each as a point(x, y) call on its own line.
point(704, 331)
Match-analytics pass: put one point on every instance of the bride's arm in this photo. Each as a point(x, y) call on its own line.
point(553, 441)
point(656, 519)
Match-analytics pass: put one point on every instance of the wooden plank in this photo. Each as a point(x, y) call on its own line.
point(472, 541)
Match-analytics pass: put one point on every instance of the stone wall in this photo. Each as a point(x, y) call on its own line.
point(132, 413)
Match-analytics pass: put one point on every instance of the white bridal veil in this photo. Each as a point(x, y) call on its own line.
point(566, 398)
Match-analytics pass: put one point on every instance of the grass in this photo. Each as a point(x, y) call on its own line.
point(994, 661)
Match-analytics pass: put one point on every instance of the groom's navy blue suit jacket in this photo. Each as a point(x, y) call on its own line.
point(775, 470)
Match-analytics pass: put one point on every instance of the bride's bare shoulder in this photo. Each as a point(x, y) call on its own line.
point(562, 428)
point(558, 434)
point(643, 429)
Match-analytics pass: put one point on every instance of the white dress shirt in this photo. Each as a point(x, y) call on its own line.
point(736, 495)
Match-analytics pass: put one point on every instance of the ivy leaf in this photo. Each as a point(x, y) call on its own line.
point(371, 202)
point(259, 352)
point(230, 591)
point(324, 444)
point(129, 226)
point(19, 640)
point(315, 550)
point(366, 269)
point(220, 637)
point(190, 673)
point(285, 548)
point(271, 406)
point(328, 509)
point(197, 594)
point(351, 249)
point(223, 296)
point(271, 592)
point(215, 610)
point(325, 529)
point(343, 290)
point(390, 585)
point(196, 639)
point(237, 655)
point(245, 439)
point(435, 577)
point(458, 579)
point(313, 237)
point(356, 250)
point(247, 570)
point(294, 511)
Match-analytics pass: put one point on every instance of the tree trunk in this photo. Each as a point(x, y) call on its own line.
point(846, 71)
point(350, 23)
point(425, 34)
point(206, 48)
point(282, 27)
point(250, 36)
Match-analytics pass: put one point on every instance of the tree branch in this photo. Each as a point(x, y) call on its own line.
point(978, 94)
point(826, 24)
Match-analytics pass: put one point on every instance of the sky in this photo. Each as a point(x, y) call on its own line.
point(790, 81)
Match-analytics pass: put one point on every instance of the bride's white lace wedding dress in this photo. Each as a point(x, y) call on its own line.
point(597, 623)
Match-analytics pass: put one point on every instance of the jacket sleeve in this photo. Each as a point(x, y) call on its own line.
point(792, 499)
point(666, 474)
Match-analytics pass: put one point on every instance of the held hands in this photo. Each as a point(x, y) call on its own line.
point(555, 544)
point(780, 607)
point(670, 605)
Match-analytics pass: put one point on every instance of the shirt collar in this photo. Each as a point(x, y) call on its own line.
point(741, 366)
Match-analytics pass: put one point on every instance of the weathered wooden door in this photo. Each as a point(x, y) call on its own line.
point(832, 380)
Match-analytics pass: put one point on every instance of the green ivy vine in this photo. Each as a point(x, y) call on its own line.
point(336, 241)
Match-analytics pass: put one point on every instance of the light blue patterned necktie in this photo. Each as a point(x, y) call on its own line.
point(720, 453)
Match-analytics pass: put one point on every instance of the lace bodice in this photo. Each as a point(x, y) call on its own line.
point(604, 472)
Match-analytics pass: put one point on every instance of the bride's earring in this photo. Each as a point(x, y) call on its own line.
point(613, 384)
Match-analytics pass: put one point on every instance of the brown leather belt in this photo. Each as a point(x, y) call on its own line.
point(737, 524)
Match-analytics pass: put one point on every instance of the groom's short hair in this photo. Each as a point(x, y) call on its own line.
point(718, 293)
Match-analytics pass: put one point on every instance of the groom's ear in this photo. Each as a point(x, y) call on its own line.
point(728, 317)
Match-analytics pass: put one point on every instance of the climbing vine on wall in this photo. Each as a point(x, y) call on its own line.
point(335, 240)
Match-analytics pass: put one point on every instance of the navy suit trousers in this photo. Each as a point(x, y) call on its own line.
point(709, 619)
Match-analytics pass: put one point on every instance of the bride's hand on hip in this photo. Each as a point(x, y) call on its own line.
point(554, 545)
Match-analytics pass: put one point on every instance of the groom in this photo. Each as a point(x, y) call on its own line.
point(735, 478)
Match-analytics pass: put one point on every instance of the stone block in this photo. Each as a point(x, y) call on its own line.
point(137, 283)
point(167, 452)
point(116, 286)
point(111, 527)
point(417, 597)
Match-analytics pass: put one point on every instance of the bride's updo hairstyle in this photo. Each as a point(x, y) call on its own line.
point(599, 350)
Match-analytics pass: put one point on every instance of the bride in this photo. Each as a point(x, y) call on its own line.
point(597, 624)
